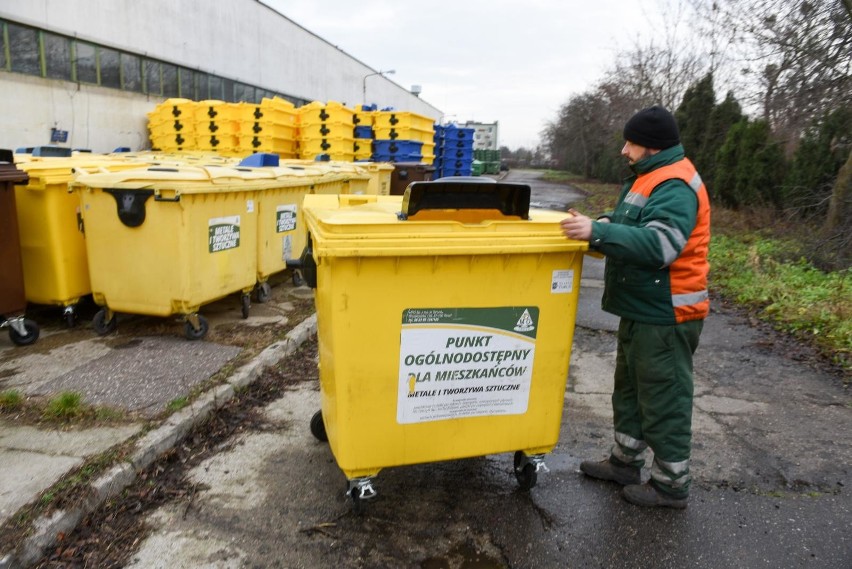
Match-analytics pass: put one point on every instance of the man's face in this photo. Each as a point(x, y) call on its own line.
point(634, 152)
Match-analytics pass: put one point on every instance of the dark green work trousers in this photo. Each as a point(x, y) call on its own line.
point(652, 399)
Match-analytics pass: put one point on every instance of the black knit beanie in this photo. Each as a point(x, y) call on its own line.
point(653, 127)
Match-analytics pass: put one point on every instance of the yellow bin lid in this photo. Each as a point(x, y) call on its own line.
point(444, 217)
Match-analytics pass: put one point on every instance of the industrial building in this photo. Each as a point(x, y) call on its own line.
point(84, 73)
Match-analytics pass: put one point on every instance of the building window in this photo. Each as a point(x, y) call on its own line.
point(215, 91)
point(109, 63)
point(153, 85)
point(32, 51)
point(23, 49)
point(3, 43)
point(131, 73)
point(85, 63)
point(170, 80)
point(244, 93)
point(57, 56)
point(186, 83)
point(228, 90)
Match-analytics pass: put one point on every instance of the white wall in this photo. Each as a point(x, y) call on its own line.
point(242, 40)
point(97, 118)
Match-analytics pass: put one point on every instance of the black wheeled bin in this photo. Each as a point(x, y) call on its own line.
point(13, 300)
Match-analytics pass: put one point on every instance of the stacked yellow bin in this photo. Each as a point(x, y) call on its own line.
point(172, 125)
point(268, 127)
point(217, 127)
point(363, 133)
point(326, 130)
point(404, 126)
point(51, 230)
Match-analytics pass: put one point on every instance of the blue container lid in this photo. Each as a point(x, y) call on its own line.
point(260, 159)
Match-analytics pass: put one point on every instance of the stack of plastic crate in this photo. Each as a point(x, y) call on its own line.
point(326, 131)
point(363, 119)
point(172, 125)
point(457, 151)
point(403, 137)
point(268, 126)
point(217, 127)
point(438, 141)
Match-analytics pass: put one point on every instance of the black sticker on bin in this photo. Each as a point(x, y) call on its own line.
point(467, 193)
point(130, 205)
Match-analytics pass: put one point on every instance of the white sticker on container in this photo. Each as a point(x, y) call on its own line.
point(249, 206)
point(287, 248)
point(465, 362)
point(562, 282)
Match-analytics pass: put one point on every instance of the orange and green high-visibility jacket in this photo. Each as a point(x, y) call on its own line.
point(656, 243)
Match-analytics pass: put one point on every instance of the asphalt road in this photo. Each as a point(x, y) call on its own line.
point(771, 466)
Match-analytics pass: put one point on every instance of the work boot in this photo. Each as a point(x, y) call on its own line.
point(648, 495)
point(609, 470)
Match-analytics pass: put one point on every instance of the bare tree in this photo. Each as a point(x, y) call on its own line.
point(795, 57)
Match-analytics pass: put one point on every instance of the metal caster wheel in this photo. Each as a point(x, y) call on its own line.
point(102, 325)
point(526, 469)
point(23, 331)
point(70, 316)
point(360, 490)
point(264, 291)
point(246, 305)
point(193, 333)
point(298, 279)
point(318, 427)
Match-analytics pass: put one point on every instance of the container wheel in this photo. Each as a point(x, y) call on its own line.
point(264, 291)
point(357, 505)
point(298, 279)
point(318, 427)
point(70, 316)
point(103, 326)
point(25, 339)
point(246, 305)
point(191, 333)
point(525, 472)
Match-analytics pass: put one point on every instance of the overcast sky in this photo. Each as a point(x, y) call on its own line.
point(515, 62)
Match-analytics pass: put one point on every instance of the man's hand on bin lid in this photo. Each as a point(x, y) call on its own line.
point(577, 226)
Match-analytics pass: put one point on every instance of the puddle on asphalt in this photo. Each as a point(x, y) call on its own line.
point(464, 556)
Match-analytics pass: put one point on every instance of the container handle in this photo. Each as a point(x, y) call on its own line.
point(159, 198)
point(130, 205)
point(466, 193)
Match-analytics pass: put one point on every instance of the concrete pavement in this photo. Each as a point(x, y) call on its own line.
point(131, 373)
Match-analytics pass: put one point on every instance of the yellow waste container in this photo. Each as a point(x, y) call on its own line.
point(380, 177)
point(53, 246)
point(468, 299)
point(282, 234)
point(281, 228)
point(166, 240)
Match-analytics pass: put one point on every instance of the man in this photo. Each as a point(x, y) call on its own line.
point(655, 243)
